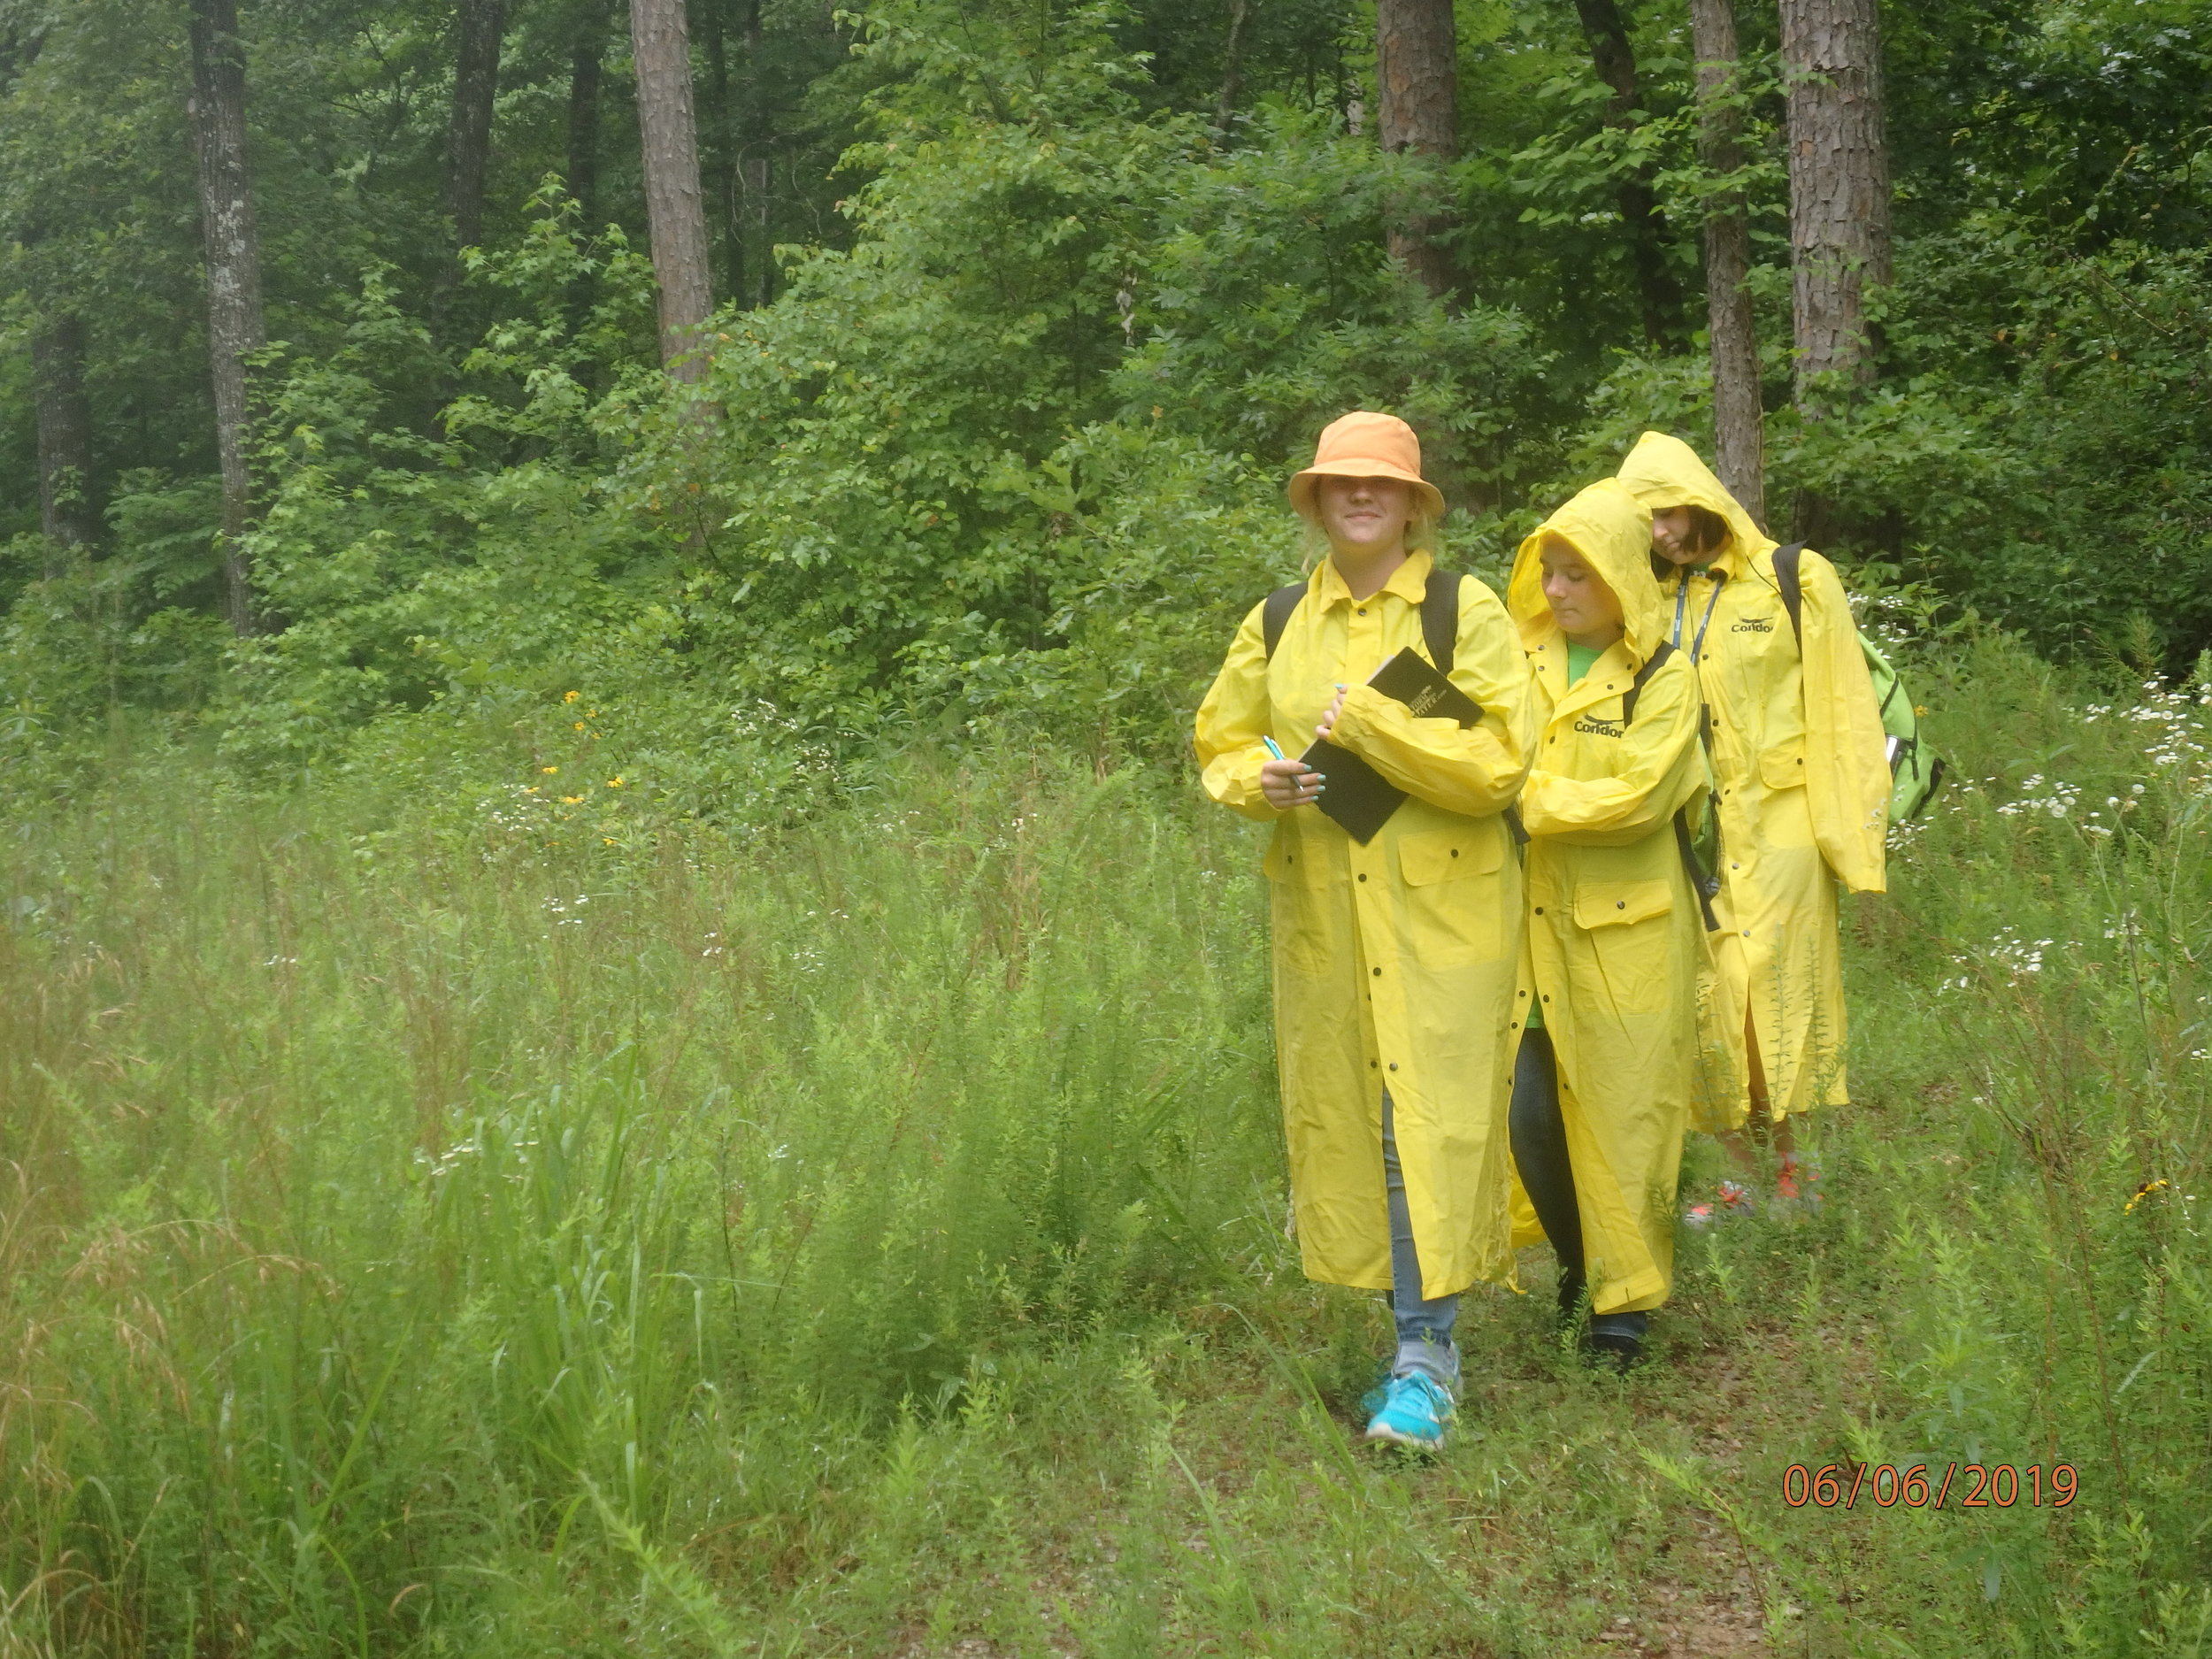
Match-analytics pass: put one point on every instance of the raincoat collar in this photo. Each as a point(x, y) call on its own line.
point(1409, 581)
point(1662, 472)
point(1611, 529)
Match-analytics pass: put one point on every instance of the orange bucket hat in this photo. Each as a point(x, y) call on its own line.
point(1363, 444)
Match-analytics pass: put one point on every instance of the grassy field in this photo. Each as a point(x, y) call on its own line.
point(866, 1236)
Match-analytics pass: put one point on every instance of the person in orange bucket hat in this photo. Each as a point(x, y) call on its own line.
point(1394, 957)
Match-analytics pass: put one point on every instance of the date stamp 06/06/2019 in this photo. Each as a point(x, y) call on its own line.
point(1980, 1486)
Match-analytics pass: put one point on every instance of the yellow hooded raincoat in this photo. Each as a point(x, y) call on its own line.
point(1799, 757)
point(1616, 938)
point(1393, 962)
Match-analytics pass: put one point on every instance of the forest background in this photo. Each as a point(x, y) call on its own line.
point(588, 591)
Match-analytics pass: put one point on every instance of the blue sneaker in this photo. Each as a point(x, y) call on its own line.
point(1414, 1412)
point(1372, 1401)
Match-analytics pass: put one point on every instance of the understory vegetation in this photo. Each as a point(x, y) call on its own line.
point(450, 1223)
point(627, 1035)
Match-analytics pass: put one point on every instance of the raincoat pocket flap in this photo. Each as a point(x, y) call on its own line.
point(1617, 903)
point(1445, 855)
point(1783, 768)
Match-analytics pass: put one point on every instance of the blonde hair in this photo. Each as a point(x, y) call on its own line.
point(1421, 536)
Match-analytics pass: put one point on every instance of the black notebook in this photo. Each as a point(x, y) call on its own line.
point(1359, 797)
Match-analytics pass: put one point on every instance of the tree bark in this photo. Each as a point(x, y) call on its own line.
point(65, 509)
point(728, 186)
point(1658, 294)
point(585, 58)
point(675, 208)
point(1416, 71)
point(477, 26)
point(1232, 66)
point(234, 326)
point(1840, 192)
point(1738, 429)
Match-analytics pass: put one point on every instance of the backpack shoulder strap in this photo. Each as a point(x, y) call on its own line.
point(1636, 686)
point(1440, 619)
point(1793, 587)
point(1276, 617)
point(1704, 885)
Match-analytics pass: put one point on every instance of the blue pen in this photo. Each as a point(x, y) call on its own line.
point(1274, 749)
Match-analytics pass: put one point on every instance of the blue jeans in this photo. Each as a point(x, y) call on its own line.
point(1424, 1326)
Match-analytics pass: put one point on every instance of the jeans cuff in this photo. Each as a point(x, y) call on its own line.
point(1438, 1362)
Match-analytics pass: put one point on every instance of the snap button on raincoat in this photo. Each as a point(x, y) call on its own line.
point(1616, 938)
point(1799, 757)
point(1393, 962)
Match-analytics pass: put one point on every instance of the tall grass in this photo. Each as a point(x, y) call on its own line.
point(866, 1238)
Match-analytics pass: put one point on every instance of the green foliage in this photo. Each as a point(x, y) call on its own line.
point(445, 1222)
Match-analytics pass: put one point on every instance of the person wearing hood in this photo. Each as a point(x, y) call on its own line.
point(1607, 1007)
point(1395, 958)
point(1802, 769)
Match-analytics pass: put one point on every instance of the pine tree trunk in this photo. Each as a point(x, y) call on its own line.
point(477, 26)
point(1232, 67)
point(585, 56)
point(1739, 434)
point(235, 327)
point(1417, 69)
point(1839, 183)
point(728, 189)
point(674, 206)
point(1658, 294)
point(750, 179)
point(65, 509)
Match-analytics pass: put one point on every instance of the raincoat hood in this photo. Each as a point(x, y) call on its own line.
point(1662, 472)
point(1611, 529)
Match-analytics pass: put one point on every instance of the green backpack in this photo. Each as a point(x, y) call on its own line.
point(1915, 772)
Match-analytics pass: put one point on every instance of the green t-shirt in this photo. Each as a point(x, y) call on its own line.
point(1580, 660)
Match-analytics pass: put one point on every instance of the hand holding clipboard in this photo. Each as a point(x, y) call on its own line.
point(1365, 799)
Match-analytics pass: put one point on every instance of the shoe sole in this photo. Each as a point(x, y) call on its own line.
point(1391, 1437)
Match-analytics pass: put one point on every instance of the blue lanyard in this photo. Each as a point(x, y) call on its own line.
point(1681, 593)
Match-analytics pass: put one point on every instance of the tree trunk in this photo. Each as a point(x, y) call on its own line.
point(1739, 435)
point(1232, 66)
point(674, 206)
point(749, 179)
point(479, 24)
point(1658, 294)
point(584, 56)
point(728, 189)
point(1416, 71)
point(235, 327)
point(65, 510)
point(1838, 184)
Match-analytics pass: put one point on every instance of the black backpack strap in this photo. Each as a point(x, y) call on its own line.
point(1704, 885)
point(1440, 616)
point(1440, 619)
point(1636, 686)
point(1276, 616)
point(1793, 585)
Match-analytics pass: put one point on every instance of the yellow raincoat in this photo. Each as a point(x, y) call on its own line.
point(1393, 962)
point(1800, 762)
point(1615, 938)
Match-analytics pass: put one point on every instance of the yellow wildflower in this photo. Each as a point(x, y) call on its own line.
point(548, 769)
point(2145, 1191)
point(614, 783)
point(572, 800)
point(571, 697)
point(578, 726)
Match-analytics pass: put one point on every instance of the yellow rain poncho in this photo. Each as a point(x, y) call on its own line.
point(1393, 962)
point(1799, 760)
point(1615, 938)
